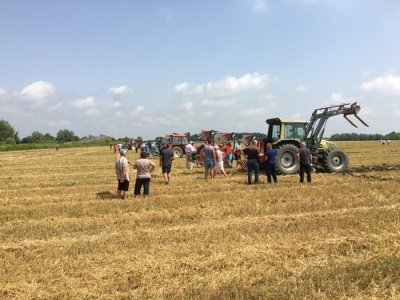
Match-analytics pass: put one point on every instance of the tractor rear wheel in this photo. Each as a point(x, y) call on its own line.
point(286, 159)
point(336, 160)
point(178, 152)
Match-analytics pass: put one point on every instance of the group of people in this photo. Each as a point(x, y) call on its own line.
point(144, 167)
point(252, 153)
point(213, 160)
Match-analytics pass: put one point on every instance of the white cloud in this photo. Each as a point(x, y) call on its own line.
point(260, 5)
point(57, 107)
point(337, 98)
point(295, 116)
point(83, 103)
point(227, 86)
point(269, 97)
point(187, 88)
point(112, 104)
point(118, 114)
point(397, 112)
point(302, 88)
point(389, 84)
point(2, 92)
point(91, 112)
point(208, 113)
point(137, 111)
point(59, 123)
point(37, 91)
point(251, 112)
point(5, 109)
point(219, 102)
point(367, 111)
point(188, 106)
point(120, 91)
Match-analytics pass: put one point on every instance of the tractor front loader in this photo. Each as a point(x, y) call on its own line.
point(286, 136)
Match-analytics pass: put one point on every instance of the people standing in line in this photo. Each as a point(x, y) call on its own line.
point(144, 168)
point(305, 158)
point(122, 171)
point(219, 162)
point(252, 153)
point(189, 149)
point(166, 158)
point(208, 154)
point(270, 163)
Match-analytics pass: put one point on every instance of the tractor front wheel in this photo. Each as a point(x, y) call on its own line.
point(178, 152)
point(286, 159)
point(336, 160)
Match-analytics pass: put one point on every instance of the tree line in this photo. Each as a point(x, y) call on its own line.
point(8, 135)
point(364, 137)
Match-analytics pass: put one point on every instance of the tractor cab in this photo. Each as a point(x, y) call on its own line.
point(280, 129)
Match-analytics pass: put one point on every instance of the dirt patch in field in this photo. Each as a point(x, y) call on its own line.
point(364, 169)
point(369, 172)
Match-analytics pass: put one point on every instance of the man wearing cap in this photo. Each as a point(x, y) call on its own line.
point(122, 171)
point(189, 149)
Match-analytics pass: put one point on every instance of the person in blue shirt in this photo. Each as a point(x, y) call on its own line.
point(270, 169)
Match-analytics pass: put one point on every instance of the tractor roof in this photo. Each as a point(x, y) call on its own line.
point(178, 134)
point(275, 121)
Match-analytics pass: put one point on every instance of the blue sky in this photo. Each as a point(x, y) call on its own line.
point(149, 68)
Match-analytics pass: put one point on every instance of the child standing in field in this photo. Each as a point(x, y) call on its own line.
point(144, 168)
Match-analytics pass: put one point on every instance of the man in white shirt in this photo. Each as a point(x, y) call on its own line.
point(189, 149)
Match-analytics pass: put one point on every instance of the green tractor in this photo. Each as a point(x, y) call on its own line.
point(286, 136)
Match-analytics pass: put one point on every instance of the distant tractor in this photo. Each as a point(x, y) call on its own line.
point(178, 142)
point(286, 136)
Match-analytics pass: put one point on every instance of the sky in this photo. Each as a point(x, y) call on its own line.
point(128, 68)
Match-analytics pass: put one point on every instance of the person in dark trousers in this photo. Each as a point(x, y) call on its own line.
point(305, 158)
point(252, 153)
point(144, 168)
point(209, 156)
point(270, 163)
point(122, 171)
point(166, 158)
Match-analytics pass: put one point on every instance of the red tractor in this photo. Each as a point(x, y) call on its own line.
point(178, 142)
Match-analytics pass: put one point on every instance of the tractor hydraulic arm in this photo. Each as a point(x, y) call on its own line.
point(316, 127)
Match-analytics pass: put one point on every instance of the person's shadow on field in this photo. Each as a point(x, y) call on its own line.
point(106, 195)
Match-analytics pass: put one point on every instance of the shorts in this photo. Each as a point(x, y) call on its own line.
point(219, 166)
point(123, 186)
point(209, 164)
point(166, 168)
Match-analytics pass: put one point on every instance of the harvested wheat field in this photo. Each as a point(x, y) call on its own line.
point(65, 235)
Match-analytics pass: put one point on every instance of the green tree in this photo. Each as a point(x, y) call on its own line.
point(66, 135)
point(7, 133)
point(37, 137)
